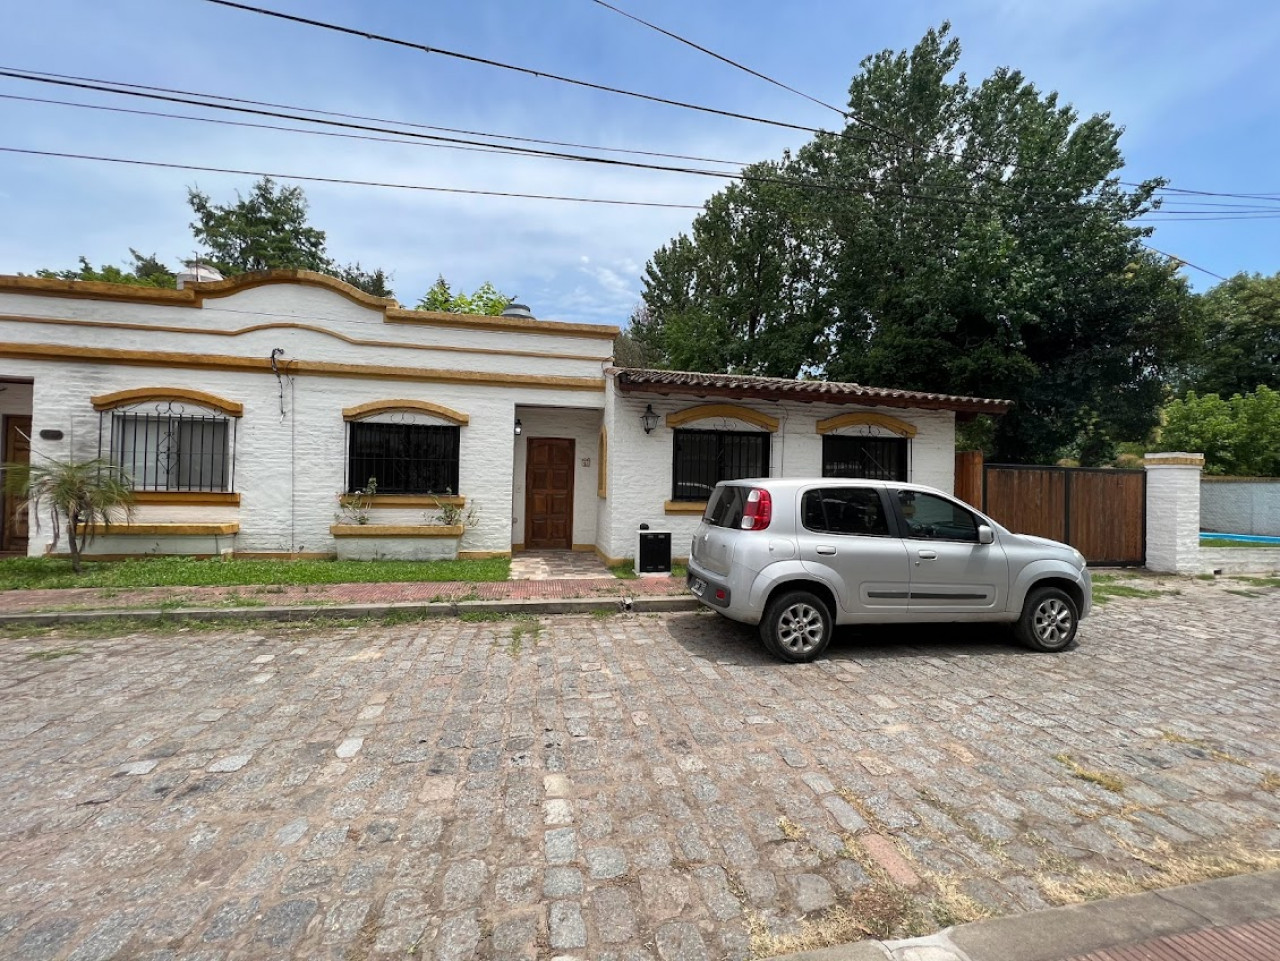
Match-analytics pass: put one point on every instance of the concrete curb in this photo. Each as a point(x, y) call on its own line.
point(530, 606)
point(1056, 934)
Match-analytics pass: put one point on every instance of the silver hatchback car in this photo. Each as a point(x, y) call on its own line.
point(799, 556)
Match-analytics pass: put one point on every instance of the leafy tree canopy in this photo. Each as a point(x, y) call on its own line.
point(1241, 347)
point(1240, 436)
point(969, 239)
point(486, 300)
point(267, 230)
point(146, 272)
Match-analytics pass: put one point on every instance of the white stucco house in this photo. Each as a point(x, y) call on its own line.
point(244, 409)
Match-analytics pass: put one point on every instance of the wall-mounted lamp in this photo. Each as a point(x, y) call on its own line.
point(649, 419)
point(519, 427)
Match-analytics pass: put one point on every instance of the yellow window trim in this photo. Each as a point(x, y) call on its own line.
point(202, 498)
point(684, 507)
point(396, 530)
point(166, 530)
point(899, 427)
point(602, 464)
point(717, 411)
point(375, 407)
point(122, 398)
point(407, 500)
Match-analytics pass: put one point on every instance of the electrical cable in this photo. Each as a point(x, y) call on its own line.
point(528, 71)
point(349, 182)
point(24, 74)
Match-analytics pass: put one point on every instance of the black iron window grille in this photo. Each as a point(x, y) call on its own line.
point(169, 449)
point(403, 458)
point(703, 458)
point(874, 458)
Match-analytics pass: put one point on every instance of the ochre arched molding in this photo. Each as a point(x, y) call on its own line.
point(899, 427)
point(602, 464)
point(141, 395)
point(722, 411)
point(361, 411)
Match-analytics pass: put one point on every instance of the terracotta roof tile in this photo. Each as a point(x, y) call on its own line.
point(636, 380)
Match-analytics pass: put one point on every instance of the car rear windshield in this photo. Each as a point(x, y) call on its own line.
point(724, 509)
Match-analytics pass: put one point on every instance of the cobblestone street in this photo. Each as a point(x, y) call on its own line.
point(629, 787)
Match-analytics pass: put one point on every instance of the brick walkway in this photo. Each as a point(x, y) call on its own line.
point(625, 788)
point(103, 598)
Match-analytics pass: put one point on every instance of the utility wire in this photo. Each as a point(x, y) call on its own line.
point(342, 180)
point(1182, 260)
point(733, 63)
point(528, 71)
point(436, 140)
point(36, 75)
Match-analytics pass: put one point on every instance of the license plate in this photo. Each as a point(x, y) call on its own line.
point(698, 586)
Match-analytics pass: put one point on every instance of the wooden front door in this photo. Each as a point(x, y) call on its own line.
point(17, 450)
point(548, 498)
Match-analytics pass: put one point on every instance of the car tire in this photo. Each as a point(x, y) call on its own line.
point(797, 626)
point(1049, 620)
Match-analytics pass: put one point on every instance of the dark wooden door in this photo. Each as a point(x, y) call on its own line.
point(548, 504)
point(17, 450)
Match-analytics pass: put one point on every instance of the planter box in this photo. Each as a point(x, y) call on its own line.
point(397, 542)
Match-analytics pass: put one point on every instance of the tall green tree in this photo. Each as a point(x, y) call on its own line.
point(970, 239)
point(266, 230)
point(1239, 436)
point(486, 300)
point(1241, 347)
point(146, 271)
point(749, 291)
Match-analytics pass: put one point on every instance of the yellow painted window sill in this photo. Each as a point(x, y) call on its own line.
point(409, 500)
point(167, 530)
point(685, 507)
point(396, 530)
point(203, 498)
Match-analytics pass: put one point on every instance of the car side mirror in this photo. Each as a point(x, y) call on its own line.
point(985, 534)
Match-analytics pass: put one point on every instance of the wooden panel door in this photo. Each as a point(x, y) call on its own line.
point(17, 450)
point(548, 504)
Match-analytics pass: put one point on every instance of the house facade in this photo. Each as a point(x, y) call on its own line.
point(249, 412)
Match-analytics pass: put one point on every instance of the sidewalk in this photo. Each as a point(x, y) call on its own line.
point(298, 602)
point(1230, 919)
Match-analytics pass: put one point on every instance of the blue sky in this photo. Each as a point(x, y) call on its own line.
point(1194, 84)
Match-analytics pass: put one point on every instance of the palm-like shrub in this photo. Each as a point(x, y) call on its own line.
point(82, 495)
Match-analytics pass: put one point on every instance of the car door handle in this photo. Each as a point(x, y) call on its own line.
point(825, 549)
point(928, 555)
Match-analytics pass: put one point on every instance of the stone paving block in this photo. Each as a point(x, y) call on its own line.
point(229, 764)
point(565, 925)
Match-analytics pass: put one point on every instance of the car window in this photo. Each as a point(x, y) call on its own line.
point(844, 510)
point(936, 518)
point(724, 509)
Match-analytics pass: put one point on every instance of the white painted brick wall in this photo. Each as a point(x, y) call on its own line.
point(1235, 506)
point(1173, 515)
point(583, 427)
point(640, 464)
point(290, 456)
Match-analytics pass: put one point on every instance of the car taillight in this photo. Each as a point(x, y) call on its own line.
point(758, 510)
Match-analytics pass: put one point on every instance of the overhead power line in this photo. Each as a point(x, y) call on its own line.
point(40, 75)
point(733, 63)
point(527, 71)
point(1182, 260)
point(343, 180)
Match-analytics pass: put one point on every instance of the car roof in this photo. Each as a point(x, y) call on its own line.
point(777, 484)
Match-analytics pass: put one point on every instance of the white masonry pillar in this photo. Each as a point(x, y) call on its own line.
point(1173, 512)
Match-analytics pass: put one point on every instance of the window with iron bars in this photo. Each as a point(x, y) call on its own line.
point(172, 450)
point(703, 458)
point(875, 458)
point(403, 458)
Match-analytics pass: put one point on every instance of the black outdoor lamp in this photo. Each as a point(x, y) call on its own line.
point(649, 419)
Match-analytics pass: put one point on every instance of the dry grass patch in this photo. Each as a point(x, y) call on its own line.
point(1167, 868)
point(790, 830)
point(1111, 782)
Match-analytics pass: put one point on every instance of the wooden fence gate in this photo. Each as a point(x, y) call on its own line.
point(1100, 512)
